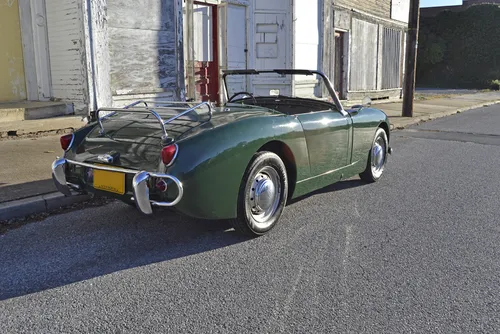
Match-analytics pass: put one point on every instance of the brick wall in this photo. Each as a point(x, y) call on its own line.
point(380, 8)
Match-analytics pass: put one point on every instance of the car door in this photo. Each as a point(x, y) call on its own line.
point(327, 138)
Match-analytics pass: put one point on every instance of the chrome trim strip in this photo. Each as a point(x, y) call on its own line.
point(327, 173)
point(110, 169)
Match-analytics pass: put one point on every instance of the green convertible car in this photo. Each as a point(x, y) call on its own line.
point(241, 161)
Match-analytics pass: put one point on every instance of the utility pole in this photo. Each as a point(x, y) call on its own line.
point(411, 58)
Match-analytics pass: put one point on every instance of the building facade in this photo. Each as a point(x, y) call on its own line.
point(95, 53)
point(360, 45)
point(91, 53)
point(365, 46)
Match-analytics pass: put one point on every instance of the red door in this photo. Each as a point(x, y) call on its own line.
point(206, 67)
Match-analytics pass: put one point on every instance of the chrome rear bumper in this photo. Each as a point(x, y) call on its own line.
point(139, 183)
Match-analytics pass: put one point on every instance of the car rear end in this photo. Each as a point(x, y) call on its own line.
point(125, 156)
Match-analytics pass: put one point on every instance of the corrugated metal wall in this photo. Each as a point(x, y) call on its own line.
point(391, 58)
point(65, 34)
point(364, 56)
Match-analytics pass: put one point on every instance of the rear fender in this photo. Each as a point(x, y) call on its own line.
point(211, 165)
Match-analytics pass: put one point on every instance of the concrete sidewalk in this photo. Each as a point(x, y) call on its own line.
point(39, 127)
point(430, 107)
point(27, 149)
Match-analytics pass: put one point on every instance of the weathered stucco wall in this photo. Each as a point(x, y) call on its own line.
point(12, 82)
point(142, 47)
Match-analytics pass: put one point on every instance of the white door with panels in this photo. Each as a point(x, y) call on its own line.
point(272, 41)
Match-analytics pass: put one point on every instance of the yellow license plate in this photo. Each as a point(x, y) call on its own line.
point(113, 182)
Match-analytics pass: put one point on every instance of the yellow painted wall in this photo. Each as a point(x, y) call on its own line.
point(12, 84)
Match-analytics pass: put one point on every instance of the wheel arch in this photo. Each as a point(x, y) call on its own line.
point(286, 155)
point(384, 125)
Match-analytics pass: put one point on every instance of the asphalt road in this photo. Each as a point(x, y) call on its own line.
point(416, 252)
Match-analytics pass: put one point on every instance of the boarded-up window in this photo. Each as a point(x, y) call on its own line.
point(364, 56)
point(142, 51)
point(391, 58)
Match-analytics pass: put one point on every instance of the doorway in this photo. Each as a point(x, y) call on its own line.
point(339, 66)
point(205, 53)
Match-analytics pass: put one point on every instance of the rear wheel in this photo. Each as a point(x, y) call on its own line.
point(377, 157)
point(262, 195)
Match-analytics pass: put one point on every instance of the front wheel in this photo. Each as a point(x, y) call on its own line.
point(262, 195)
point(377, 157)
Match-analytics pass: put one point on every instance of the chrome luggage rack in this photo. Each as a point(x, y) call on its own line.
point(159, 106)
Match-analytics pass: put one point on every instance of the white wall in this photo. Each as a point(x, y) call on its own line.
point(306, 44)
point(306, 34)
point(400, 10)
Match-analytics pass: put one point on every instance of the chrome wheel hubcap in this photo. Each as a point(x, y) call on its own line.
point(378, 156)
point(264, 196)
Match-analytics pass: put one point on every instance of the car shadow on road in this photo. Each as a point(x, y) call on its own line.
point(347, 184)
point(87, 244)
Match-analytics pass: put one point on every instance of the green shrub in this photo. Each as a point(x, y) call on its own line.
point(460, 49)
point(495, 84)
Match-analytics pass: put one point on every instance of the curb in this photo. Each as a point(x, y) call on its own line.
point(38, 204)
point(418, 119)
point(21, 134)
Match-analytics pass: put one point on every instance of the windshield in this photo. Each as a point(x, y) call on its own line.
point(247, 84)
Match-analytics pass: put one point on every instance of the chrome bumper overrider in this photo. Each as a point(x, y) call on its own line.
point(139, 183)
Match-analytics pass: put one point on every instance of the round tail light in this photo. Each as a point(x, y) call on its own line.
point(66, 141)
point(168, 154)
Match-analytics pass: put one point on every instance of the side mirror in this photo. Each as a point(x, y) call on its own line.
point(367, 102)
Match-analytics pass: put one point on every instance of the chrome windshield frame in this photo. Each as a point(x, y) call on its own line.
point(328, 83)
